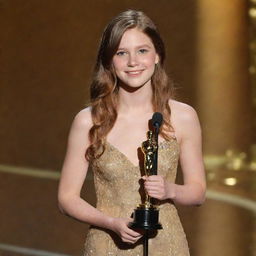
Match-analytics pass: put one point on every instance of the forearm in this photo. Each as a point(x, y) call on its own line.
point(188, 194)
point(79, 209)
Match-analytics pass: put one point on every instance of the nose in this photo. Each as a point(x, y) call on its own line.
point(132, 60)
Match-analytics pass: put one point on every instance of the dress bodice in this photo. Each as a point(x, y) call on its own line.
point(118, 192)
point(118, 179)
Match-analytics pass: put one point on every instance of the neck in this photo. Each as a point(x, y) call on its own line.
point(139, 100)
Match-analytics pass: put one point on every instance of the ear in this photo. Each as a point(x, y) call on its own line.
point(157, 59)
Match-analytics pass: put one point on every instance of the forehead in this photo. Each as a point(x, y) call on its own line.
point(133, 38)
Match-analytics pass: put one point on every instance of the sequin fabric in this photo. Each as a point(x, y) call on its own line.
point(118, 193)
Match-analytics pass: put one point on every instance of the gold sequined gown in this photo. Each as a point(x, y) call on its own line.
point(117, 184)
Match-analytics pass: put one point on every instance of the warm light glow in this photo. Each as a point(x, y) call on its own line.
point(252, 70)
point(252, 12)
point(230, 181)
point(211, 176)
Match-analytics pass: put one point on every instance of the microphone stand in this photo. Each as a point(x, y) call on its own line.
point(145, 243)
point(154, 172)
point(156, 132)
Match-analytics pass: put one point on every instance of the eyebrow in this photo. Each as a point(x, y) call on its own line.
point(140, 46)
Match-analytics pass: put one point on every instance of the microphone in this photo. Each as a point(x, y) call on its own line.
point(157, 120)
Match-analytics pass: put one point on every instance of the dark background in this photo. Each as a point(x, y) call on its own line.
point(49, 53)
point(48, 50)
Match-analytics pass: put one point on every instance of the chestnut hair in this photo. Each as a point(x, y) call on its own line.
point(104, 87)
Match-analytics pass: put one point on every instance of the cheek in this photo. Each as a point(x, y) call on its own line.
point(150, 60)
point(118, 64)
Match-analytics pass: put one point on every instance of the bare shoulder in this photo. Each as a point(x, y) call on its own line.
point(80, 127)
point(184, 120)
point(83, 119)
point(182, 112)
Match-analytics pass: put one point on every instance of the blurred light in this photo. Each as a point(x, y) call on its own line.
point(252, 45)
point(252, 12)
point(211, 176)
point(252, 70)
point(253, 166)
point(230, 181)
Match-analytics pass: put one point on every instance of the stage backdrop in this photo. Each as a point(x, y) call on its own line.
point(49, 53)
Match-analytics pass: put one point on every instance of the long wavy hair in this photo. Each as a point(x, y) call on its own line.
point(104, 87)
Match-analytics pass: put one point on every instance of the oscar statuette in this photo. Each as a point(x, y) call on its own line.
point(146, 215)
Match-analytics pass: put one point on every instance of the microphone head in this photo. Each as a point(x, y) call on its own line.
point(157, 119)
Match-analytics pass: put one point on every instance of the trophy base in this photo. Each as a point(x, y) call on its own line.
point(146, 218)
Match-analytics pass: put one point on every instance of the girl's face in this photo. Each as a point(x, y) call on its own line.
point(135, 59)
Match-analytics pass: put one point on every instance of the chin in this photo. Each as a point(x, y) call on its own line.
point(136, 86)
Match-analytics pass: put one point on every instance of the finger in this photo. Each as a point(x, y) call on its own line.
point(152, 189)
point(154, 186)
point(153, 181)
point(129, 230)
point(151, 178)
point(155, 195)
point(155, 178)
point(129, 239)
point(132, 233)
point(153, 192)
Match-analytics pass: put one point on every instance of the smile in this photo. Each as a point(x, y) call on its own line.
point(135, 72)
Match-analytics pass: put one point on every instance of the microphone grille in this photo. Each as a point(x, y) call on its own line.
point(157, 119)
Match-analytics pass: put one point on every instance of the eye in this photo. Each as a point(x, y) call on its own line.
point(143, 51)
point(120, 53)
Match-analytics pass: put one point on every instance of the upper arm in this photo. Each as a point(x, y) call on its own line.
point(75, 165)
point(190, 139)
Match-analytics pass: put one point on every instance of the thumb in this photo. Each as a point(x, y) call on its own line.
point(128, 220)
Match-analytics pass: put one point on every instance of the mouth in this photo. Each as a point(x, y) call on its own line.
point(134, 72)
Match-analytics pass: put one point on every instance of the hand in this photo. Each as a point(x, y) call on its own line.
point(157, 187)
point(120, 226)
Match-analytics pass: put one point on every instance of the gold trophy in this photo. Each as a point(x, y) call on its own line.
point(146, 215)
